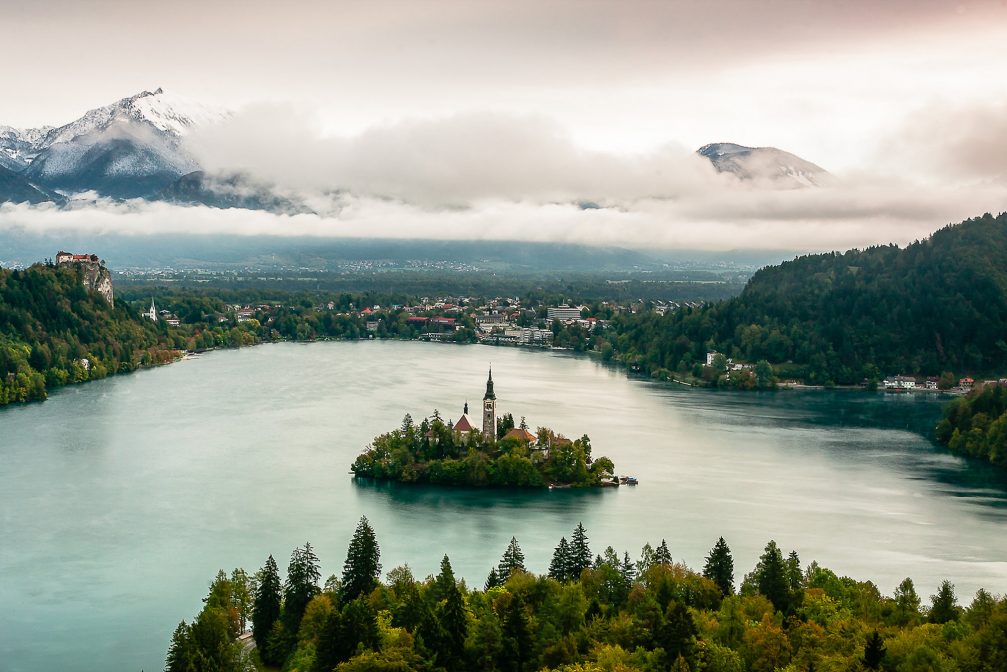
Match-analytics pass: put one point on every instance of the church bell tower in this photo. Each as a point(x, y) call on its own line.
point(490, 410)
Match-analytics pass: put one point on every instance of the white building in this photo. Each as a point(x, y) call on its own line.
point(563, 313)
point(151, 313)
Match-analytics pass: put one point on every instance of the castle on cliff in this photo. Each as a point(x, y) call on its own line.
point(96, 276)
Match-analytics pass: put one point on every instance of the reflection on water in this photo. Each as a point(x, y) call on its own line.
point(119, 500)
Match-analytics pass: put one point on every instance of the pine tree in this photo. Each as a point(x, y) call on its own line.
point(179, 658)
point(662, 556)
point(874, 652)
point(771, 578)
point(628, 569)
point(720, 567)
point(329, 650)
point(580, 552)
point(303, 575)
point(362, 567)
point(944, 605)
point(517, 639)
point(512, 561)
point(677, 635)
point(266, 607)
point(560, 566)
point(454, 622)
point(445, 581)
point(493, 580)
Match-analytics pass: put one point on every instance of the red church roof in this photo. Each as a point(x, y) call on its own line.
point(463, 424)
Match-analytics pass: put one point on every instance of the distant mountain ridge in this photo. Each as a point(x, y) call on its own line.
point(131, 148)
point(135, 148)
point(765, 164)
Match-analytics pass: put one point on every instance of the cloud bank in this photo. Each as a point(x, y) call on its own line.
point(501, 177)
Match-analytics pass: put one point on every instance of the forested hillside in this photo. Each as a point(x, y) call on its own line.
point(937, 305)
point(977, 424)
point(53, 331)
point(592, 612)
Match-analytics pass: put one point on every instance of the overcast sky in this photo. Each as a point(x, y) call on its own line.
point(911, 94)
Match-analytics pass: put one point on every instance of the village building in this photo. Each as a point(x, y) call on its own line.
point(150, 313)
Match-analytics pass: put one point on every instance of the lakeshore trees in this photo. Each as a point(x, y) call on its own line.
point(608, 618)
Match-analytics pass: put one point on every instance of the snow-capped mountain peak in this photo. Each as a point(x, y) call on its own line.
point(766, 165)
point(167, 113)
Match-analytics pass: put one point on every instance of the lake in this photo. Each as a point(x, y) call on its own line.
point(121, 499)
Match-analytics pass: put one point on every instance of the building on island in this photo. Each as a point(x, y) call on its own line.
point(490, 410)
point(464, 425)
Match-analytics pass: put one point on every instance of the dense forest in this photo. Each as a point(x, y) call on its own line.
point(436, 451)
point(590, 612)
point(53, 331)
point(937, 305)
point(976, 425)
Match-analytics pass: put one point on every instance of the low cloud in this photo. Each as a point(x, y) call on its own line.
point(494, 177)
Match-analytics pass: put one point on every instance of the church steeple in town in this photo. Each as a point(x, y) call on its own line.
point(490, 410)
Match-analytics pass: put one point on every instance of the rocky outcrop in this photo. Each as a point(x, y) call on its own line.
point(95, 276)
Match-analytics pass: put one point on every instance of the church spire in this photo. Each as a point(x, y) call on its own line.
point(489, 387)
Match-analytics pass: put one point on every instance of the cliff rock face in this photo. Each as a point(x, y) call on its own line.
point(96, 276)
point(97, 279)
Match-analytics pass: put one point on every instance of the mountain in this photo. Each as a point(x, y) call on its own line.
point(228, 191)
point(130, 148)
point(15, 188)
point(937, 305)
point(767, 165)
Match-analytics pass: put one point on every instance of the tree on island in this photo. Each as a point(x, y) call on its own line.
point(362, 567)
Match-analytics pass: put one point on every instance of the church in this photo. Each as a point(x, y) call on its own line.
point(489, 429)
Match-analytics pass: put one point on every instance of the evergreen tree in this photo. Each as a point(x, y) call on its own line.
point(358, 627)
point(362, 567)
point(329, 650)
point(662, 556)
point(677, 635)
point(628, 569)
point(874, 652)
point(493, 580)
point(303, 575)
point(454, 622)
point(179, 657)
point(266, 607)
point(517, 638)
point(512, 561)
point(944, 605)
point(580, 552)
point(772, 579)
point(560, 567)
point(719, 567)
point(445, 581)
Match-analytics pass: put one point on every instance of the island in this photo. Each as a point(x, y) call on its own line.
point(499, 454)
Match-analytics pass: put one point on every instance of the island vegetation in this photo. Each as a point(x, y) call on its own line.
point(976, 425)
point(589, 612)
point(438, 452)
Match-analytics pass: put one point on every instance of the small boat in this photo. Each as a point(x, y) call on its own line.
point(629, 480)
